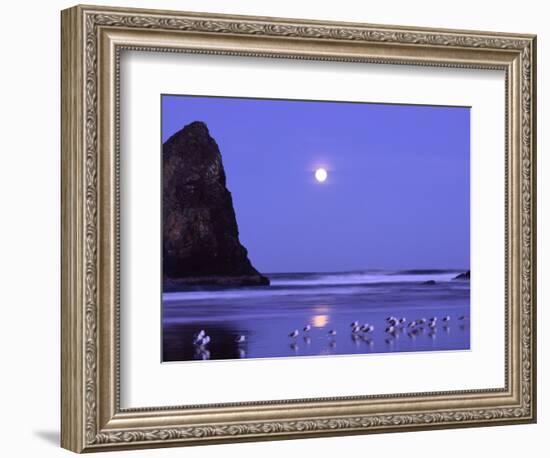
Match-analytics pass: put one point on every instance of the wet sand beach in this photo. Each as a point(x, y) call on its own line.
point(260, 322)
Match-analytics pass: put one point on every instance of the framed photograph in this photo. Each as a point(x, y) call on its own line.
point(279, 228)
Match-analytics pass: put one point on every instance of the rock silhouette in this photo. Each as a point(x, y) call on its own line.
point(200, 233)
point(463, 276)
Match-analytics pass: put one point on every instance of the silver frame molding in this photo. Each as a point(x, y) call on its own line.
point(92, 40)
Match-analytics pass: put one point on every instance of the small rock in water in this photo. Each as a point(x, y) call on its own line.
point(463, 276)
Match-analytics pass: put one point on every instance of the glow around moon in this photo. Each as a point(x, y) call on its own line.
point(321, 175)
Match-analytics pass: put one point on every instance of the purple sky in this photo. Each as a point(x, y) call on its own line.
point(397, 194)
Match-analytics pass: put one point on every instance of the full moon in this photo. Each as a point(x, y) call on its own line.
point(321, 175)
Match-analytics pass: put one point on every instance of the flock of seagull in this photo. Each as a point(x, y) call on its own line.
point(201, 339)
point(394, 326)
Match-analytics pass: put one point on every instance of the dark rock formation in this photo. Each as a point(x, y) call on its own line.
point(200, 234)
point(429, 282)
point(463, 276)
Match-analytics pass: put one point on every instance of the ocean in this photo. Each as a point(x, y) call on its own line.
point(255, 322)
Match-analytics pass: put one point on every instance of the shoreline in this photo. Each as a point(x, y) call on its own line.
point(321, 280)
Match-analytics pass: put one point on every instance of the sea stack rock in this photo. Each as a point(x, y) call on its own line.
point(200, 234)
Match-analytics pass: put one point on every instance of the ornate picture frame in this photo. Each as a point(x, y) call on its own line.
point(92, 40)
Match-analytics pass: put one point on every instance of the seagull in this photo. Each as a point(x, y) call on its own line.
point(446, 319)
point(294, 334)
point(198, 337)
point(412, 324)
point(462, 318)
point(355, 329)
point(354, 324)
point(240, 339)
point(368, 328)
point(392, 321)
point(402, 320)
point(332, 333)
point(390, 330)
point(432, 324)
point(307, 328)
point(205, 340)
